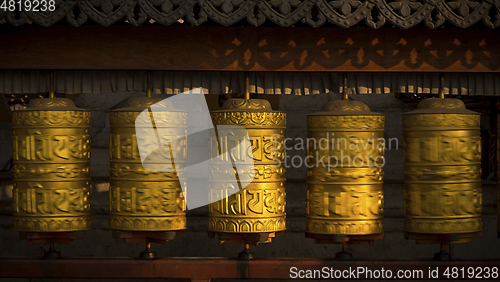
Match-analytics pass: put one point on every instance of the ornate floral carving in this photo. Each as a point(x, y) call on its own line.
point(400, 13)
point(106, 12)
point(166, 12)
point(463, 6)
point(464, 13)
point(344, 13)
point(285, 13)
point(227, 12)
point(49, 18)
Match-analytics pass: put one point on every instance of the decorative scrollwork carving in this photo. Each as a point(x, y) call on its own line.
point(227, 12)
point(16, 20)
point(286, 12)
point(75, 20)
point(196, 19)
point(49, 18)
point(487, 19)
point(343, 13)
point(106, 12)
point(400, 12)
point(166, 12)
point(463, 13)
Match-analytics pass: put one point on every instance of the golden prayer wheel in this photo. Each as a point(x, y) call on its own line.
point(442, 155)
point(146, 193)
point(345, 158)
point(255, 212)
point(51, 154)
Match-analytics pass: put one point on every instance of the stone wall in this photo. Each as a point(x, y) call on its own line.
point(194, 241)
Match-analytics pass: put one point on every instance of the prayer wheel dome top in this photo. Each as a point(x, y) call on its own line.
point(52, 104)
point(441, 106)
point(240, 104)
point(345, 108)
point(138, 104)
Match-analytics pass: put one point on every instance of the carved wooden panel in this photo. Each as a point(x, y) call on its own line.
point(343, 13)
point(122, 47)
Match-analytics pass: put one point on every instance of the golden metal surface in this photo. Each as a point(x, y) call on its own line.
point(140, 199)
point(442, 155)
point(345, 197)
point(51, 153)
point(260, 207)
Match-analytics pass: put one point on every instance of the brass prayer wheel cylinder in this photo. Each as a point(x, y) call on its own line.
point(143, 196)
point(260, 206)
point(442, 156)
point(345, 170)
point(51, 164)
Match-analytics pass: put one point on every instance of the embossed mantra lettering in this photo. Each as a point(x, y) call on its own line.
point(44, 147)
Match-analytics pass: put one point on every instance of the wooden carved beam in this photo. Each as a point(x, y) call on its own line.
point(250, 49)
point(314, 13)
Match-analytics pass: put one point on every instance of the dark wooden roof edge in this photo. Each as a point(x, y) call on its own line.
point(314, 13)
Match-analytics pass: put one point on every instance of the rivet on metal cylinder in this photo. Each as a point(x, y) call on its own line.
point(253, 213)
point(145, 193)
point(51, 164)
point(442, 155)
point(345, 197)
